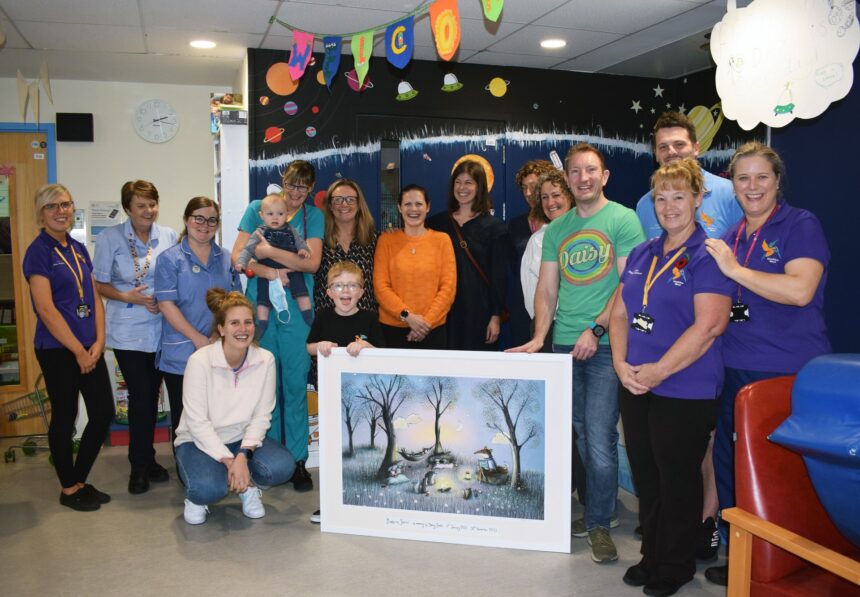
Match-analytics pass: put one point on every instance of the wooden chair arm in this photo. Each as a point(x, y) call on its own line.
point(744, 526)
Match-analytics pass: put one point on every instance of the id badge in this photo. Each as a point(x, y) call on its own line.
point(83, 311)
point(740, 313)
point(642, 322)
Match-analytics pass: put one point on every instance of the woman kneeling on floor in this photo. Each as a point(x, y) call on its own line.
point(228, 398)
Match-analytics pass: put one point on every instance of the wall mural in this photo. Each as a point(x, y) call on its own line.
point(410, 126)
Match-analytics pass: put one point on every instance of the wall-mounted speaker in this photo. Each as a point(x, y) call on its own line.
point(74, 126)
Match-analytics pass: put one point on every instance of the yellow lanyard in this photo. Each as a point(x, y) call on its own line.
point(649, 281)
point(79, 277)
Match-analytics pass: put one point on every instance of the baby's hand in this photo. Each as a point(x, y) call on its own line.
point(324, 347)
point(304, 253)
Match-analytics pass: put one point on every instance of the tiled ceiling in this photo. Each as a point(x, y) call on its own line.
point(147, 40)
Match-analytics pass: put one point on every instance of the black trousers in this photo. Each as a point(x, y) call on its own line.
point(666, 441)
point(395, 337)
point(143, 381)
point(173, 381)
point(64, 381)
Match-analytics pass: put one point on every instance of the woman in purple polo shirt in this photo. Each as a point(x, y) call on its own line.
point(673, 304)
point(777, 257)
point(69, 342)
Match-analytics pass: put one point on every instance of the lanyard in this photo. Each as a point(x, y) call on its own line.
point(138, 274)
point(79, 281)
point(649, 281)
point(741, 229)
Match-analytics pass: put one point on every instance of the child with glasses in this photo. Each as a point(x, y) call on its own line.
point(279, 233)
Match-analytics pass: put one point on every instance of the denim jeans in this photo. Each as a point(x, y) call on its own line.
point(206, 478)
point(595, 420)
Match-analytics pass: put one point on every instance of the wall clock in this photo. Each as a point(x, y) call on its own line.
point(156, 121)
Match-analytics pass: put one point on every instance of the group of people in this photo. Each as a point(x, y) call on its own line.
point(666, 312)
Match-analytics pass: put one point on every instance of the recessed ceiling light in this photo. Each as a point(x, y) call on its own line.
point(553, 44)
point(202, 44)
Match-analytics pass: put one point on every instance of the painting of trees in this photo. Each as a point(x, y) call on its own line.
point(349, 402)
point(440, 393)
point(388, 393)
point(510, 406)
point(372, 414)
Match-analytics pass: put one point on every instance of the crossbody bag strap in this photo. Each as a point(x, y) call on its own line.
point(465, 246)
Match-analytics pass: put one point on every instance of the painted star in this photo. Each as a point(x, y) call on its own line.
point(668, 106)
point(658, 91)
point(653, 110)
point(682, 109)
point(637, 105)
point(685, 80)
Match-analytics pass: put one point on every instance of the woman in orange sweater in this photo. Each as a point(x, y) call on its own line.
point(414, 277)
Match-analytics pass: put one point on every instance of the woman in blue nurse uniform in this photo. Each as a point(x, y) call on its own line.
point(287, 338)
point(183, 274)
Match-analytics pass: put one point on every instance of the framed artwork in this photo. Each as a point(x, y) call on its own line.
point(447, 446)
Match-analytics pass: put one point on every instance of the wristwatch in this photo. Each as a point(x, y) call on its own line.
point(404, 314)
point(249, 454)
point(597, 329)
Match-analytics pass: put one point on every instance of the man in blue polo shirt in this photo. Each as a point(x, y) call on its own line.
point(675, 138)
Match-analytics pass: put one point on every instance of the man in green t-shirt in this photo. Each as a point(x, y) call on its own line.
point(584, 252)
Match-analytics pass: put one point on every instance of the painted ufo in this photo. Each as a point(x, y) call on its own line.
point(450, 83)
point(405, 92)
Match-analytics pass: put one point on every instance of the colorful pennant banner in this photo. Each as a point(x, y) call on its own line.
point(331, 63)
point(399, 42)
point(300, 53)
point(493, 8)
point(362, 48)
point(445, 23)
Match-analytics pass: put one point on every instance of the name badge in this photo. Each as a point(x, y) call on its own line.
point(740, 313)
point(83, 311)
point(195, 268)
point(642, 322)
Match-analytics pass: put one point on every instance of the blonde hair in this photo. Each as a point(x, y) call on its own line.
point(684, 172)
point(365, 227)
point(756, 148)
point(344, 267)
point(220, 301)
point(272, 198)
point(46, 194)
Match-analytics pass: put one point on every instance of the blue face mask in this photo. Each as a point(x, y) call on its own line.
point(278, 296)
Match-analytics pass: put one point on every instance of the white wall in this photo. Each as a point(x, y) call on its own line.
point(181, 168)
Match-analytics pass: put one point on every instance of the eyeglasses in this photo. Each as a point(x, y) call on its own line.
point(213, 221)
point(348, 200)
point(64, 206)
point(300, 188)
point(340, 286)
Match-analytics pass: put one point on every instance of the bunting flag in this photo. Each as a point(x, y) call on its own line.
point(362, 48)
point(331, 62)
point(493, 8)
point(399, 42)
point(300, 53)
point(445, 23)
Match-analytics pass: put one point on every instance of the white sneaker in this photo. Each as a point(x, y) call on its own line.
point(252, 505)
point(316, 517)
point(195, 514)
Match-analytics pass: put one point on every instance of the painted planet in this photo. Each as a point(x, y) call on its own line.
point(319, 198)
point(488, 169)
point(352, 81)
point(320, 77)
point(311, 132)
point(273, 135)
point(264, 100)
point(278, 79)
point(706, 127)
point(291, 108)
point(497, 86)
point(315, 109)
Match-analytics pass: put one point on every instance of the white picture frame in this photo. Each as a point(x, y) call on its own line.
point(459, 493)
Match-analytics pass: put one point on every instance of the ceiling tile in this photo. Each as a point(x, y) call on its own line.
point(527, 41)
point(247, 16)
point(229, 45)
point(91, 12)
point(91, 38)
point(13, 39)
point(502, 59)
point(515, 11)
point(614, 16)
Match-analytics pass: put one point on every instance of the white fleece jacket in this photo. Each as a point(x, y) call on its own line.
point(220, 406)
